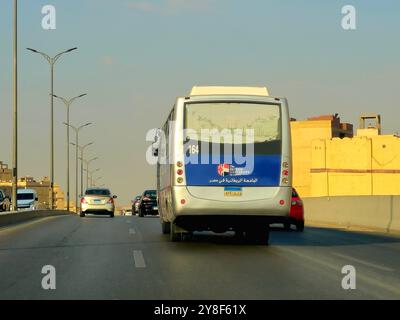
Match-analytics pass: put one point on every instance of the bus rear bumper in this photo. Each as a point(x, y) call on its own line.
point(193, 211)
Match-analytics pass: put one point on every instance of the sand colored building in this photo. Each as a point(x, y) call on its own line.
point(329, 161)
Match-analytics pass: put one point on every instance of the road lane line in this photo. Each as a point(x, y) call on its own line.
point(128, 221)
point(139, 259)
point(366, 263)
point(132, 231)
point(371, 281)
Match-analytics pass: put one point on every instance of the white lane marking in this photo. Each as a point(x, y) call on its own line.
point(128, 221)
point(139, 259)
point(366, 263)
point(132, 231)
point(371, 281)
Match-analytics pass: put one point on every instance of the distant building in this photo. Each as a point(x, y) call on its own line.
point(5, 172)
point(303, 133)
point(42, 187)
point(329, 161)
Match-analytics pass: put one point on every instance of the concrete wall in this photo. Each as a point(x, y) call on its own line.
point(372, 212)
point(11, 218)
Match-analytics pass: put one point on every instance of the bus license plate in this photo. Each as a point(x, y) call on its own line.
point(233, 192)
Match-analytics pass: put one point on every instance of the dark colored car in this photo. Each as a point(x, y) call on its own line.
point(148, 203)
point(296, 216)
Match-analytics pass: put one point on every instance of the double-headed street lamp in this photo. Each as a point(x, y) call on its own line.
point(95, 181)
point(52, 61)
point(91, 173)
point(82, 149)
point(88, 162)
point(77, 129)
point(67, 104)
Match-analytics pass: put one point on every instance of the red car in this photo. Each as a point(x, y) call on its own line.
point(296, 216)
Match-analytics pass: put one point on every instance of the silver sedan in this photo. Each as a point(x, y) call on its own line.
point(98, 201)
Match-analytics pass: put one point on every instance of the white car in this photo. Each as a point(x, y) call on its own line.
point(27, 199)
point(98, 201)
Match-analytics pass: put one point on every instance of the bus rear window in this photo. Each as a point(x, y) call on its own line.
point(225, 122)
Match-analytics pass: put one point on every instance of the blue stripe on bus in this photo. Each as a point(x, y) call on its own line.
point(266, 173)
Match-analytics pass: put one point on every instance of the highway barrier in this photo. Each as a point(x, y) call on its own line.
point(10, 218)
point(380, 213)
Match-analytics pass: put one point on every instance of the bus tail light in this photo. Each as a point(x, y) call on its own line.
point(285, 173)
point(179, 172)
point(179, 180)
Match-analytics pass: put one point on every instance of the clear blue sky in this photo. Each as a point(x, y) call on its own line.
point(135, 57)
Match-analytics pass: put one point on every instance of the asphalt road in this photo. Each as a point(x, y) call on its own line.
point(129, 258)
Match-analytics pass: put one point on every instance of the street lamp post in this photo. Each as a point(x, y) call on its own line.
point(77, 129)
point(67, 104)
point(88, 162)
point(90, 174)
point(95, 181)
point(82, 149)
point(91, 177)
point(52, 61)
point(15, 111)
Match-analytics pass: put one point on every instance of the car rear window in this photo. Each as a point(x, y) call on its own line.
point(151, 194)
point(98, 192)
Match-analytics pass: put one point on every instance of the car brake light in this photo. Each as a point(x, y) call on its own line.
point(83, 200)
point(111, 201)
point(146, 198)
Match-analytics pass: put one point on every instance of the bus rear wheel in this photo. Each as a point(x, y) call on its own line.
point(174, 235)
point(165, 227)
point(258, 236)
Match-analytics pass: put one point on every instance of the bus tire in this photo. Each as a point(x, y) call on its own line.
point(173, 235)
point(258, 236)
point(300, 226)
point(166, 227)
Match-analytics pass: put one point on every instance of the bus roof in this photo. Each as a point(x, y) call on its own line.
point(212, 90)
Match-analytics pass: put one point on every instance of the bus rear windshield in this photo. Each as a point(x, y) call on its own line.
point(235, 123)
